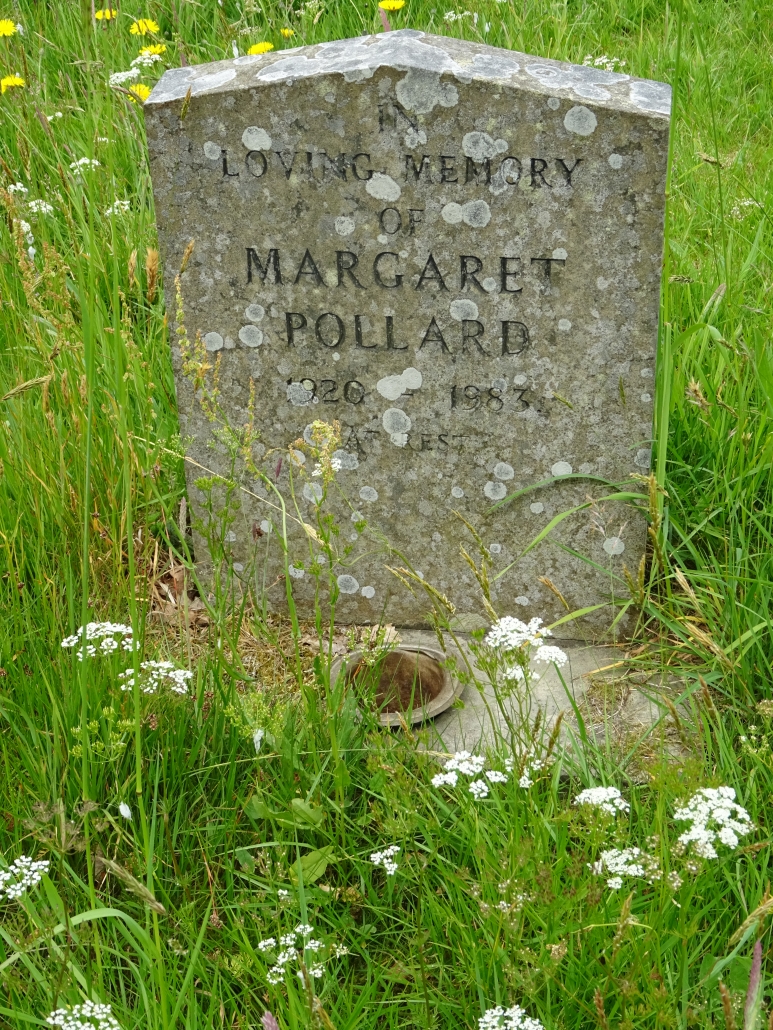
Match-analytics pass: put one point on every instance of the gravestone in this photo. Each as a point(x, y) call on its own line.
point(455, 252)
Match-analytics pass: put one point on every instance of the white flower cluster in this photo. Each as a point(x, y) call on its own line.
point(118, 207)
point(118, 78)
point(18, 187)
point(157, 674)
point(77, 167)
point(29, 238)
point(23, 874)
point(291, 948)
point(465, 764)
point(335, 465)
point(715, 816)
point(608, 799)
point(530, 766)
point(147, 61)
point(608, 64)
point(40, 207)
point(386, 858)
point(88, 1016)
point(626, 862)
point(451, 16)
point(509, 635)
point(508, 1019)
point(105, 633)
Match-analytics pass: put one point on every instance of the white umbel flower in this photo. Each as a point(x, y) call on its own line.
point(513, 1018)
point(715, 817)
point(88, 1016)
point(22, 875)
point(386, 859)
point(608, 799)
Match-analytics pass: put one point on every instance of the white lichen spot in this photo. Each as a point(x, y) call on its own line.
point(347, 584)
point(522, 600)
point(299, 396)
point(383, 187)
point(495, 548)
point(394, 386)
point(476, 214)
point(559, 254)
point(499, 384)
point(554, 103)
point(564, 325)
point(580, 120)
point(265, 527)
point(212, 150)
point(367, 493)
point(336, 356)
point(348, 461)
point(251, 336)
point(298, 456)
point(537, 508)
point(421, 90)
point(646, 398)
point(357, 516)
point(256, 139)
point(479, 146)
point(615, 161)
point(330, 97)
point(646, 373)
point(415, 138)
point(503, 471)
point(296, 572)
point(399, 439)
point(382, 238)
point(602, 283)
point(452, 213)
point(520, 379)
point(614, 545)
point(586, 468)
point(213, 341)
point(643, 457)
point(230, 537)
point(368, 592)
point(228, 343)
point(495, 491)
point(312, 492)
point(561, 468)
point(456, 491)
point(237, 566)
point(437, 538)
point(395, 421)
point(489, 284)
point(463, 309)
point(254, 312)
point(344, 225)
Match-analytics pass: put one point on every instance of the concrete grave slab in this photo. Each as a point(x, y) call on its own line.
point(455, 252)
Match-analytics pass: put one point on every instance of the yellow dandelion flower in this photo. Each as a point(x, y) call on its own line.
point(286, 33)
point(143, 26)
point(106, 14)
point(7, 27)
point(10, 81)
point(261, 48)
point(155, 48)
point(139, 92)
point(391, 5)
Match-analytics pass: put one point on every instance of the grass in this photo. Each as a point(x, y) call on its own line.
point(161, 914)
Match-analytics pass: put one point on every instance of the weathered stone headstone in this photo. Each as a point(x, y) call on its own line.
point(453, 250)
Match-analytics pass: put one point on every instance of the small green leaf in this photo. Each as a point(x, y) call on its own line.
point(245, 860)
point(303, 812)
point(256, 809)
point(312, 866)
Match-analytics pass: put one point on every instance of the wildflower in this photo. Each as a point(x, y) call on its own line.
point(267, 944)
point(509, 633)
point(508, 1019)
point(287, 939)
point(118, 78)
point(18, 187)
point(269, 1022)
point(304, 930)
point(391, 5)
point(445, 779)
point(257, 739)
point(143, 26)
point(316, 971)
point(715, 816)
point(11, 82)
point(282, 893)
point(139, 92)
point(260, 48)
point(125, 811)
point(7, 27)
point(386, 858)
point(118, 207)
point(154, 48)
point(23, 874)
point(83, 162)
point(625, 862)
point(465, 763)
point(106, 14)
point(313, 945)
point(156, 674)
point(496, 776)
point(56, 114)
point(287, 33)
point(40, 207)
point(105, 632)
point(674, 881)
point(143, 60)
point(335, 466)
point(608, 799)
point(607, 64)
point(546, 653)
point(88, 1016)
point(479, 789)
